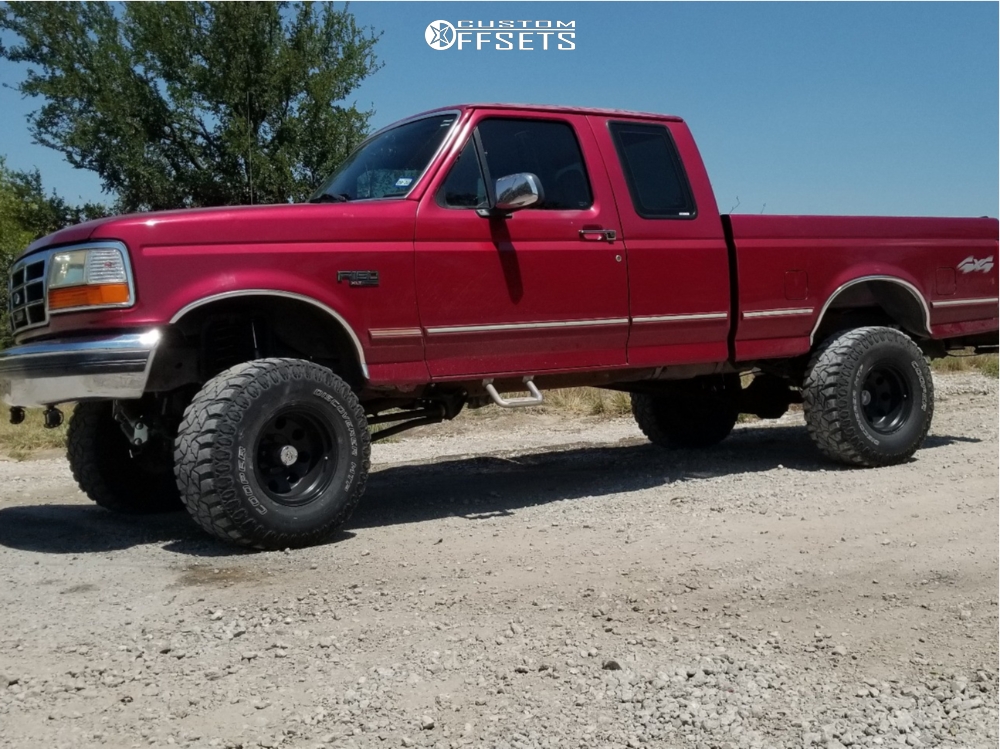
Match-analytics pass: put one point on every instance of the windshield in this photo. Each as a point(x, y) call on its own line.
point(387, 165)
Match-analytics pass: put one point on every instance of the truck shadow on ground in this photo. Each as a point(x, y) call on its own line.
point(87, 529)
point(488, 486)
point(473, 487)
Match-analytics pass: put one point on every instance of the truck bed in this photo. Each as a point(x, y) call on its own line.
point(791, 270)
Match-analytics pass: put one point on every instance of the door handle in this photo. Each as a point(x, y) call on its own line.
point(598, 235)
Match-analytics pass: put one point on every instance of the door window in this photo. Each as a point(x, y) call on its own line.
point(546, 148)
point(464, 187)
point(653, 171)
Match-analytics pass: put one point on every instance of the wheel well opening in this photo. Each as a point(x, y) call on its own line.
point(874, 302)
point(220, 334)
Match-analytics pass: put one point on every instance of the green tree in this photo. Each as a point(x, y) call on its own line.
point(195, 103)
point(27, 213)
point(14, 235)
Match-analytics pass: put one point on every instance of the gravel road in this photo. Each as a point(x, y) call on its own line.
point(517, 581)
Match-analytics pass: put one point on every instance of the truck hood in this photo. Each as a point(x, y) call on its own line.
point(259, 224)
point(68, 235)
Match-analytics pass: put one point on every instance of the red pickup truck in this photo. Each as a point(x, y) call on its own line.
point(234, 360)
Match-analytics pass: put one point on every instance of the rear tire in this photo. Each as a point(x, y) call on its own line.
point(273, 453)
point(695, 413)
point(107, 470)
point(868, 397)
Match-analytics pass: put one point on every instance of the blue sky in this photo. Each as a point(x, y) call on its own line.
point(853, 108)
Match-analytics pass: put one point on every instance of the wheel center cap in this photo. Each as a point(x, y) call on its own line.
point(866, 397)
point(288, 455)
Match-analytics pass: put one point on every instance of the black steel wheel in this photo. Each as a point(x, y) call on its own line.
point(885, 397)
point(296, 459)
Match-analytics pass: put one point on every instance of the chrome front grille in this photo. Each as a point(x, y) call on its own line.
point(27, 294)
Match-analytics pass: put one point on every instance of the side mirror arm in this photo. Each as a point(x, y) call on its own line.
point(488, 183)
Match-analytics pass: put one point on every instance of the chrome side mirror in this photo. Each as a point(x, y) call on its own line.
point(517, 191)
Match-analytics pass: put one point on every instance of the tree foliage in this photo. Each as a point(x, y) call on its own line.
point(27, 212)
point(195, 103)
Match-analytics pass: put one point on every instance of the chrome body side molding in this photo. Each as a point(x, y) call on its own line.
point(528, 325)
point(692, 317)
point(965, 302)
point(789, 312)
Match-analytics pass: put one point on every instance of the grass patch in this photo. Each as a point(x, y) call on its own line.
point(985, 364)
point(583, 401)
point(590, 402)
point(18, 441)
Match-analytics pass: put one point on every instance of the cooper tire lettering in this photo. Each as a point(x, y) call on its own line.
point(923, 385)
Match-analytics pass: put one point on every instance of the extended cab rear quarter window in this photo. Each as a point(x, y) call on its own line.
point(653, 171)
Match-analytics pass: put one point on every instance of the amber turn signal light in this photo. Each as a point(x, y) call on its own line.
point(87, 296)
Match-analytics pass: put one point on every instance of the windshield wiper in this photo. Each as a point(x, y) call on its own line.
point(326, 197)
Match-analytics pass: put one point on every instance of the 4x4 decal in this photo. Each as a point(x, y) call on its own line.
point(971, 264)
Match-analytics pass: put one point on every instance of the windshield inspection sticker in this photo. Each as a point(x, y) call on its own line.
point(404, 181)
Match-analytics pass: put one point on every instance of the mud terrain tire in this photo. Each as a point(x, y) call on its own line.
point(110, 472)
point(868, 397)
point(695, 413)
point(273, 453)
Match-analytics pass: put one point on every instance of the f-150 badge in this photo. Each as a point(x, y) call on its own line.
point(358, 277)
point(971, 264)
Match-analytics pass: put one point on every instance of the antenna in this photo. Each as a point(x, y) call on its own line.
point(249, 151)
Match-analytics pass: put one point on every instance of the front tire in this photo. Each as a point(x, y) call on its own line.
point(695, 413)
point(273, 453)
point(116, 476)
point(868, 397)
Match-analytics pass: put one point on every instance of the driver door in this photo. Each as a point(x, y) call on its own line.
point(542, 289)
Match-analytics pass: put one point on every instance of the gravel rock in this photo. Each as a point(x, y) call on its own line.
point(590, 590)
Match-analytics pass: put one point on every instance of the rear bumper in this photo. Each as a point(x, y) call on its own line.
point(41, 374)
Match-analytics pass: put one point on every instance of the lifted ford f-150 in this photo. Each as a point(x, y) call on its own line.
point(234, 360)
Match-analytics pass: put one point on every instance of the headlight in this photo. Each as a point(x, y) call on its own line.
point(87, 278)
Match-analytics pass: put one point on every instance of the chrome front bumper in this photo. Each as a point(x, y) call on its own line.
point(72, 369)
